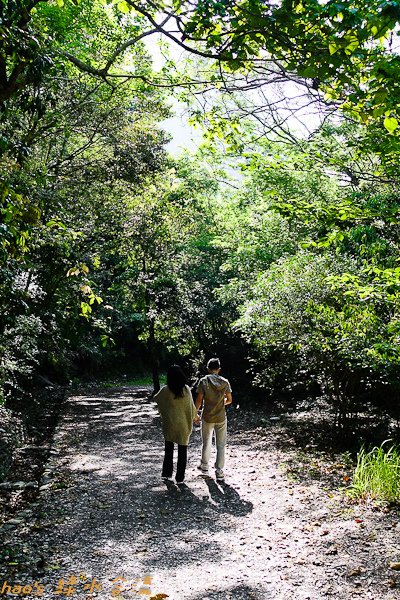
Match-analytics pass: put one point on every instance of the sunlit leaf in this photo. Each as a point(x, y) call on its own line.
point(390, 123)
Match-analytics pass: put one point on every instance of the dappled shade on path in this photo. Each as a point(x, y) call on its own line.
point(108, 517)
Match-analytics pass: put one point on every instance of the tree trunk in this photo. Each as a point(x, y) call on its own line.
point(154, 361)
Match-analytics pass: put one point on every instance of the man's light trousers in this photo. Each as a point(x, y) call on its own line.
point(219, 430)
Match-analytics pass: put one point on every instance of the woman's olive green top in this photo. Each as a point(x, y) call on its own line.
point(177, 414)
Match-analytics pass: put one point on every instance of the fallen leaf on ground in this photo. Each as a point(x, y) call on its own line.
point(354, 572)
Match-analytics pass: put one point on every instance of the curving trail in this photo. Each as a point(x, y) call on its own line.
point(108, 527)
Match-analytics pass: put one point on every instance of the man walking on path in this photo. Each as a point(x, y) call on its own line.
point(216, 393)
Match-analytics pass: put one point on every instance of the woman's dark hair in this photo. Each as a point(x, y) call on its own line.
point(176, 380)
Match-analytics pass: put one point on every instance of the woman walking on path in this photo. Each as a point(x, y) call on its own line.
point(177, 410)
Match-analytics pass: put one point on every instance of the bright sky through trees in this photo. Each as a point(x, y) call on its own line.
point(183, 135)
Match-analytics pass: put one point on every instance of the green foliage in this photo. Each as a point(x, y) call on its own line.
point(319, 307)
point(162, 248)
point(41, 38)
point(144, 380)
point(70, 144)
point(377, 475)
point(292, 312)
point(18, 217)
point(110, 251)
point(19, 353)
point(343, 48)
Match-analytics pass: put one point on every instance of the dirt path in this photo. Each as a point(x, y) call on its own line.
point(107, 525)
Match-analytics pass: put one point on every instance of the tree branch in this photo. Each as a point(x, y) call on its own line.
point(130, 42)
point(14, 82)
point(169, 35)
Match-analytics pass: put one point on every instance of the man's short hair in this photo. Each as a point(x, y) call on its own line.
point(213, 364)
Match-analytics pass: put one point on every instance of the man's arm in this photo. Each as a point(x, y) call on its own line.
point(228, 398)
point(199, 400)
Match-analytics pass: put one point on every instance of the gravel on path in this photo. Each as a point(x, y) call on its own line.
point(106, 526)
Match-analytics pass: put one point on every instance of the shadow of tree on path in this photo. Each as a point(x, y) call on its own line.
point(113, 512)
point(109, 514)
point(237, 592)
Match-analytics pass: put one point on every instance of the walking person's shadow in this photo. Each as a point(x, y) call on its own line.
point(228, 498)
point(180, 490)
